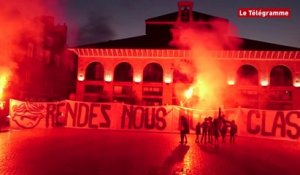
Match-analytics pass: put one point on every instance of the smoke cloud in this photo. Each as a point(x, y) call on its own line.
point(17, 24)
point(96, 29)
point(208, 88)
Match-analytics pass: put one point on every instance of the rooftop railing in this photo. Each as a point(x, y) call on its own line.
point(172, 53)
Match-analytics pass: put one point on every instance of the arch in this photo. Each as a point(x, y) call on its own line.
point(123, 72)
point(153, 72)
point(281, 76)
point(94, 71)
point(247, 75)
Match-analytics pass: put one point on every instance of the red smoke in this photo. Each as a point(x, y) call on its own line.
point(17, 22)
point(209, 85)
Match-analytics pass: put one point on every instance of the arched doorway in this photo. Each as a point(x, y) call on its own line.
point(153, 72)
point(247, 75)
point(95, 71)
point(123, 72)
point(281, 76)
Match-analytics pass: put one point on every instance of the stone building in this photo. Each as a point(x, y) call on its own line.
point(140, 70)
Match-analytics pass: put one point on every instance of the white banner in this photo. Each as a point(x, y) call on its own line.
point(77, 114)
point(270, 124)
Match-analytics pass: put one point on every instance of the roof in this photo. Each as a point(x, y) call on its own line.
point(144, 41)
point(162, 41)
point(197, 16)
point(150, 42)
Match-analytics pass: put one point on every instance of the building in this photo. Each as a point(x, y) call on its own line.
point(140, 70)
point(45, 66)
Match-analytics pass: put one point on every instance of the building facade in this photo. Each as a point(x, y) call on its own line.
point(140, 70)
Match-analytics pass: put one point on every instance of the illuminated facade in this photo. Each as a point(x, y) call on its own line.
point(140, 70)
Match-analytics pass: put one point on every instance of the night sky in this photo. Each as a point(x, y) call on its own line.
point(100, 20)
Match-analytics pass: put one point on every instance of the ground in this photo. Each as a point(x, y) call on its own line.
point(63, 151)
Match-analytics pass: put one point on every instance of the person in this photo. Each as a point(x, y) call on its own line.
point(233, 131)
point(215, 126)
point(198, 131)
point(204, 130)
point(223, 130)
point(184, 129)
point(210, 130)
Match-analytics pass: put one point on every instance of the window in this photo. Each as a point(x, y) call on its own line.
point(152, 91)
point(248, 98)
point(250, 94)
point(185, 14)
point(93, 89)
point(281, 76)
point(95, 71)
point(247, 75)
point(281, 95)
point(153, 72)
point(122, 90)
point(279, 106)
point(152, 101)
point(123, 72)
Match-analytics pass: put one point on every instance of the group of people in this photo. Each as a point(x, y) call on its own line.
point(210, 130)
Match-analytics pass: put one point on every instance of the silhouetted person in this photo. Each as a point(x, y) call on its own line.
point(198, 131)
point(223, 130)
point(215, 128)
point(233, 131)
point(204, 130)
point(184, 129)
point(210, 130)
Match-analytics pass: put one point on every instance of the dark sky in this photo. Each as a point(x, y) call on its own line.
point(100, 20)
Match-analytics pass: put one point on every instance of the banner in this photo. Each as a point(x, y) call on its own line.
point(117, 116)
point(28, 115)
point(75, 114)
point(270, 124)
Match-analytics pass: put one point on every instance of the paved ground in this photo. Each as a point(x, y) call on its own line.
point(85, 151)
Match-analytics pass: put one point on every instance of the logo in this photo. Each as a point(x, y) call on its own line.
point(28, 115)
point(264, 12)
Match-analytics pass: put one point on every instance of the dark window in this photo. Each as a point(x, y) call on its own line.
point(153, 72)
point(247, 75)
point(123, 72)
point(93, 89)
point(95, 71)
point(152, 101)
point(185, 14)
point(281, 76)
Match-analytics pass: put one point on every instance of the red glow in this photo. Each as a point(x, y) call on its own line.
point(188, 93)
point(3, 84)
point(108, 78)
point(297, 81)
point(168, 79)
point(80, 77)
point(297, 84)
point(230, 82)
point(264, 82)
point(2, 104)
point(209, 85)
point(18, 20)
point(137, 78)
